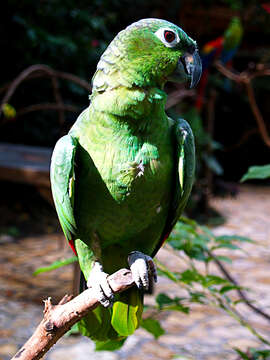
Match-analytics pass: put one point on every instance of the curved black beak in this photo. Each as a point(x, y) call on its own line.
point(189, 68)
point(193, 67)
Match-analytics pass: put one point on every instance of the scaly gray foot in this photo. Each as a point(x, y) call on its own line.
point(143, 269)
point(99, 283)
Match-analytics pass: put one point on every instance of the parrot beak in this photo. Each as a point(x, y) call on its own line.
point(189, 67)
point(193, 67)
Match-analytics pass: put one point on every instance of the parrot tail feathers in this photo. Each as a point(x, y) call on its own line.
point(127, 311)
point(110, 345)
point(109, 327)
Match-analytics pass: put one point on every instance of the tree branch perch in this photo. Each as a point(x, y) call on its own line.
point(58, 319)
point(246, 79)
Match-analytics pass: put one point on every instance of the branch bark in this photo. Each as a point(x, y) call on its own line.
point(246, 79)
point(48, 106)
point(42, 70)
point(242, 295)
point(58, 319)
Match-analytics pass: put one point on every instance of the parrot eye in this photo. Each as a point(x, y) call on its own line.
point(168, 37)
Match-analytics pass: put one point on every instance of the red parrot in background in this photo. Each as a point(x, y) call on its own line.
point(223, 49)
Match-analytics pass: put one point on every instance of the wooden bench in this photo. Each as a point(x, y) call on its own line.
point(31, 165)
point(25, 164)
point(28, 165)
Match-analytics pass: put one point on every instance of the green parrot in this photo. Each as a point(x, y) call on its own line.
point(122, 175)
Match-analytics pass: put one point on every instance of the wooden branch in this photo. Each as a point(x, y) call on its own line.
point(257, 114)
point(232, 75)
point(44, 106)
point(41, 70)
point(58, 319)
point(242, 295)
point(48, 106)
point(67, 76)
point(22, 76)
point(246, 79)
point(39, 73)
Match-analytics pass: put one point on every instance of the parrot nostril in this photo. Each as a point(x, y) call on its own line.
point(182, 59)
point(187, 61)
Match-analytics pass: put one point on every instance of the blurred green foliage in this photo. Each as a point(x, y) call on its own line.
point(68, 35)
point(194, 247)
point(257, 172)
point(71, 35)
point(55, 265)
point(254, 354)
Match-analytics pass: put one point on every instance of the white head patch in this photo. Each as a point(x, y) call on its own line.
point(168, 37)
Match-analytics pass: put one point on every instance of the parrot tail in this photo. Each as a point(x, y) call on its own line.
point(109, 327)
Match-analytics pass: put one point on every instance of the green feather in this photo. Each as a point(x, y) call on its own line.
point(127, 312)
point(97, 325)
point(123, 174)
point(109, 345)
point(62, 181)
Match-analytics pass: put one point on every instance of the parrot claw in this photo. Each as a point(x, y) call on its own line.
point(100, 286)
point(143, 269)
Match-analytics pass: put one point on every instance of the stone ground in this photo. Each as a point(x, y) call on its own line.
point(204, 334)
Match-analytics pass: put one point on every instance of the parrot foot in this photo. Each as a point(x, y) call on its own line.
point(143, 269)
point(99, 283)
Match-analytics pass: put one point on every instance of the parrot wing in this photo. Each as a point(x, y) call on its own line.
point(185, 162)
point(62, 183)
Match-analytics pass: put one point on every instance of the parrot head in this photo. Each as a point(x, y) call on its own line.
point(148, 53)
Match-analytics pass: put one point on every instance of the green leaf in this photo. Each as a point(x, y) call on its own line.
point(239, 301)
point(207, 231)
point(187, 238)
point(257, 172)
point(230, 238)
point(260, 354)
point(213, 164)
point(226, 246)
point(215, 145)
point(166, 303)
point(73, 331)
point(211, 280)
point(242, 354)
point(13, 231)
point(177, 307)
point(190, 276)
point(163, 299)
point(224, 258)
point(227, 288)
point(188, 221)
point(163, 271)
point(153, 327)
point(255, 354)
point(197, 297)
point(55, 265)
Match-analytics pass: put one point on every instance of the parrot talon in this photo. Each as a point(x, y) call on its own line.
point(143, 269)
point(100, 286)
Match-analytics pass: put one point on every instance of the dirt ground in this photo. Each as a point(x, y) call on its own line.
point(32, 239)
